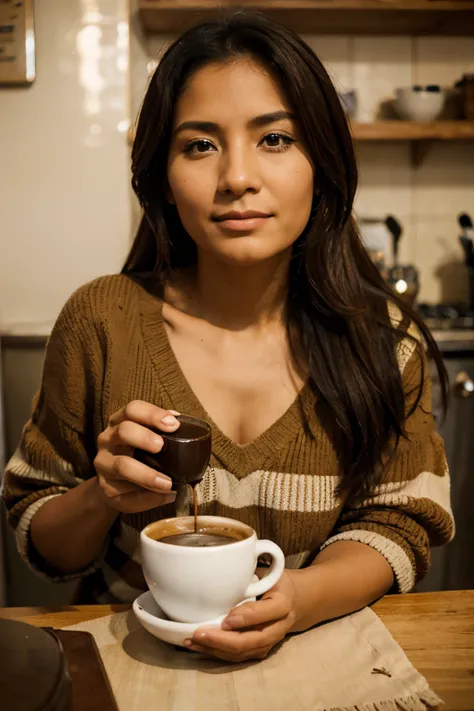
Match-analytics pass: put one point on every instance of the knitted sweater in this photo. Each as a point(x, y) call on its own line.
point(108, 347)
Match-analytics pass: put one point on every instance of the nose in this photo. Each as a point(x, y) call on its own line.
point(239, 170)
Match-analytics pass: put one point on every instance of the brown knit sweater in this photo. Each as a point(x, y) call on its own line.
point(108, 347)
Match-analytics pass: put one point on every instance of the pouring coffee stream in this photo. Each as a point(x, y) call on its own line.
point(185, 454)
point(198, 576)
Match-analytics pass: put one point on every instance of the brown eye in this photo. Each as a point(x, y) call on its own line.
point(273, 139)
point(277, 141)
point(198, 147)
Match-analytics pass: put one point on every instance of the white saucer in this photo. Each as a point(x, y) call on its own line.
point(153, 619)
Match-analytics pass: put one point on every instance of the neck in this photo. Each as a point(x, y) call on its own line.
point(238, 297)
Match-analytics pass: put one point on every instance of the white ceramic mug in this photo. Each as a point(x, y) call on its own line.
point(194, 584)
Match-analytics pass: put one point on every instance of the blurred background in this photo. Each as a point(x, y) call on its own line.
point(72, 76)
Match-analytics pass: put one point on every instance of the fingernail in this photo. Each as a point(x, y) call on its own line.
point(200, 636)
point(233, 621)
point(169, 498)
point(188, 642)
point(162, 483)
point(170, 420)
point(157, 443)
point(173, 412)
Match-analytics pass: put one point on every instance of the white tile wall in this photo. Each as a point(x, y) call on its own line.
point(442, 60)
point(145, 50)
point(385, 179)
point(379, 65)
point(443, 185)
point(439, 259)
point(65, 161)
point(334, 51)
point(426, 199)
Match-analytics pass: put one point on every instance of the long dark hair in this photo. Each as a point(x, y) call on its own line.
point(338, 323)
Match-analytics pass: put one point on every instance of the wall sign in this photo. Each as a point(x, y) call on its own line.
point(17, 42)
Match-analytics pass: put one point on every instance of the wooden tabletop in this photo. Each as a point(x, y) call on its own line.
point(436, 631)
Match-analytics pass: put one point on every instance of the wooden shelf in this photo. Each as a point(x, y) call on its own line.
point(421, 135)
point(380, 17)
point(414, 131)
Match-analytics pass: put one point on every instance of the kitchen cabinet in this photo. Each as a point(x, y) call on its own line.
point(359, 17)
point(452, 566)
point(21, 364)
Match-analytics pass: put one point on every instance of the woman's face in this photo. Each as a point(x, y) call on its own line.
point(236, 149)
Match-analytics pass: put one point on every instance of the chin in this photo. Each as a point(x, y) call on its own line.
point(246, 257)
point(247, 251)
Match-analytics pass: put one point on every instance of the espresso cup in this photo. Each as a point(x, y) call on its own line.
point(185, 453)
point(199, 584)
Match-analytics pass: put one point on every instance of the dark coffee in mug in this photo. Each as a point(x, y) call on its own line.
point(178, 532)
point(204, 576)
point(198, 540)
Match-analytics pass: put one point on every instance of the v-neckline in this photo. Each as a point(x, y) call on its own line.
point(184, 399)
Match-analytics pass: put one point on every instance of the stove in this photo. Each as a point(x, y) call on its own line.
point(445, 317)
point(452, 325)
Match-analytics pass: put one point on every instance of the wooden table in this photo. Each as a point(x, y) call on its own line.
point(436, 630)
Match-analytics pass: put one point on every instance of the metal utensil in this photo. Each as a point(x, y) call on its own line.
point(395, 229)
point(466, 243)
point(465, 221)
point(466, 238)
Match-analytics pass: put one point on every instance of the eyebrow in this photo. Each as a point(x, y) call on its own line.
point(256, 122)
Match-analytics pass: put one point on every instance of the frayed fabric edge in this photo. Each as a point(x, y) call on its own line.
point(422, 701)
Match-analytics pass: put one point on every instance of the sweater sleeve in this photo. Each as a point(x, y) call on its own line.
point(57, 446)
point(410, 510)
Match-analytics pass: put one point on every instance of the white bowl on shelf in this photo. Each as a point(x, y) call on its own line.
point(419, 105)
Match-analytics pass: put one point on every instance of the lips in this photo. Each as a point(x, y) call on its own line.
point(246, 221)
point(236, 215)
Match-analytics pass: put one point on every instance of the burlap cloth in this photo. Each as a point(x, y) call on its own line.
point(350, 664)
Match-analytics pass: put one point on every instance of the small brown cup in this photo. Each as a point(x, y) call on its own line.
point(186, 451)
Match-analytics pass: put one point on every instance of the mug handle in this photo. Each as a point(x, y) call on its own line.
point(274, 573)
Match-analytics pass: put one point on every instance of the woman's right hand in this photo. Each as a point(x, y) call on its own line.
point(128, 485)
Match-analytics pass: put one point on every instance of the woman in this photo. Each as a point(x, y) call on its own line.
point(247, 300)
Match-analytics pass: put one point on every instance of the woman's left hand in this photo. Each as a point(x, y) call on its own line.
point(252, 629)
